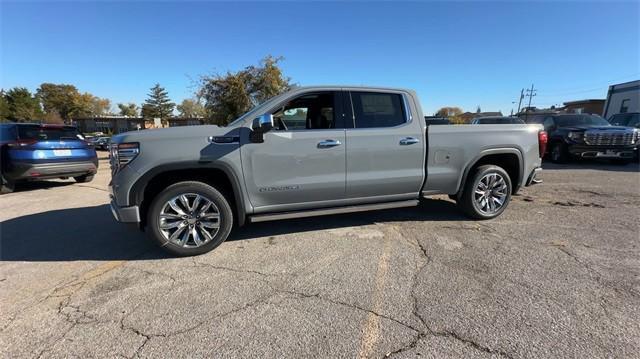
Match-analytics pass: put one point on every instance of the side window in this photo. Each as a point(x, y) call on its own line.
point(548, 122)
point(374, 109)
point(624, 106)
point(307, 112)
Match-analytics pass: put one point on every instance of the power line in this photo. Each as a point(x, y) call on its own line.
point(582, 89)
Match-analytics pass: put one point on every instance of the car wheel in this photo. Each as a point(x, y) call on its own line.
point(6, 186)
point(486, 193)
point(83, 179)
point(189, 218)
point(559, 153)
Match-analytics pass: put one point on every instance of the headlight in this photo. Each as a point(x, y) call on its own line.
point(576, 136)
point(123, 153)
point(636, 136)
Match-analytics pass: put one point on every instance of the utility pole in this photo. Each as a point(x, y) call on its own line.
point(530, 94)
point(520, 102)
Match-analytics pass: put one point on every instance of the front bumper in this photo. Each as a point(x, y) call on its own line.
point(609, 152)
point(37, 171)
point(125, 214)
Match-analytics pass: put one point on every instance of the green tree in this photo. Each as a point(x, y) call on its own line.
point(60, 99)
point(22, 105)
point(128, 109)
point(88, 105)
point(228, 96)
point(4, 107)
point(158, 104)
point(191, 109)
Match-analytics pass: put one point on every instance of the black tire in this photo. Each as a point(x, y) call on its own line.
point(559, 153)
point(83, 179)
point(467, 201)
point(6, 186)
point(189, 187)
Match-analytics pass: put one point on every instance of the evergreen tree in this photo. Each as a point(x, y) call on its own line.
point(158, 104)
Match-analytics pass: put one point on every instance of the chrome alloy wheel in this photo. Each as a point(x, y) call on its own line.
point(490, 193)
point(189, 220)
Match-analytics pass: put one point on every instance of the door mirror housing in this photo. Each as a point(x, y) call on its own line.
point(263, 123)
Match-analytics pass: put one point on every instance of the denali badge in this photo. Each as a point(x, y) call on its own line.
point(278, 188)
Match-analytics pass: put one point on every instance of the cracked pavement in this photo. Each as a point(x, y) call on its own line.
point(557, 275)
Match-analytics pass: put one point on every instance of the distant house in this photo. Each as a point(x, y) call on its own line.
point(468, 116)
point(119, 124)
point(592, 106)
point(622, 98)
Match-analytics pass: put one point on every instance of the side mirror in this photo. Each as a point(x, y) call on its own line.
point(263, 123)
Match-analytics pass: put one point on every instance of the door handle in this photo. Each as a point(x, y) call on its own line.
point(408, 141)
point(329, 143)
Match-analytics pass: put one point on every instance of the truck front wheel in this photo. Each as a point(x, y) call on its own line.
point(189, 218)
point(486, 193)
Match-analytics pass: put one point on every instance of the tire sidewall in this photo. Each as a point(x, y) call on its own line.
point(470, 204)
point(226, 217)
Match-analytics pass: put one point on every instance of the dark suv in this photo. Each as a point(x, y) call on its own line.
point(588, 136)
point(35, 152)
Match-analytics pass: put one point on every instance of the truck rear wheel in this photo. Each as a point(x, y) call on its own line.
point(486, 193)
point(189, 218)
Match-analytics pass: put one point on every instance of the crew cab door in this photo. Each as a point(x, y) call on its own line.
point(302, 159)
point(385, 147)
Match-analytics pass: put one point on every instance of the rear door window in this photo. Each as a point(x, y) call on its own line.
point(376, 109)
point(40, 133)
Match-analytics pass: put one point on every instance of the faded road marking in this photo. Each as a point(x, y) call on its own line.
point(371, 330)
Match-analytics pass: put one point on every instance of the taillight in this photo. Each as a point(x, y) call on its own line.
point(22, 143)
point(543, 138)
point(123, 153)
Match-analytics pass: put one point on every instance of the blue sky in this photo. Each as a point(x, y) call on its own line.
point(453, 53)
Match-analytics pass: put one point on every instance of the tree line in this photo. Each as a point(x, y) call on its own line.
point(218, 99)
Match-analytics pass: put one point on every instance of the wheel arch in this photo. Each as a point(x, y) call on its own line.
point(218, 175)
point(510, 159)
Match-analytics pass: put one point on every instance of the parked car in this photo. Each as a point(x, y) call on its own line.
point(626, 119)
point(355, 149)
point(629, 120)
point(101, 143)
point(588, 136)
point(36, 152)
point(496, 120)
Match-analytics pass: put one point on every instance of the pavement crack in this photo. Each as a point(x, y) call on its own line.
point(231, 269)
point(349, 305)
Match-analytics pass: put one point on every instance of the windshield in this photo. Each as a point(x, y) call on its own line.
point(627, 119)
point(581, 120)
point(254, 109)
point(40, 133)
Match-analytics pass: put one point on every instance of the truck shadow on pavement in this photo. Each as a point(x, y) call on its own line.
point(90, 233)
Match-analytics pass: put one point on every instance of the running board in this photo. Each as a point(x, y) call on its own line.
point(332, 210)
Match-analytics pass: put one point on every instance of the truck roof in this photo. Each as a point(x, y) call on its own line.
point(357, 87)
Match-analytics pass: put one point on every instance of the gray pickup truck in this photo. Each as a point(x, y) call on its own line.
point(313, 151)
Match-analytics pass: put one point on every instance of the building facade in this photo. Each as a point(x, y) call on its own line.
point(120, 124)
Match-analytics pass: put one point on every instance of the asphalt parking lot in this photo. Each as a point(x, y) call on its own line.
point(558, 275)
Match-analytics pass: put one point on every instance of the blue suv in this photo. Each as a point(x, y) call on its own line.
point(31, 152)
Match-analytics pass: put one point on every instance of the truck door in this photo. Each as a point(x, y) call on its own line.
point(302, 160)
point(385, 149)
